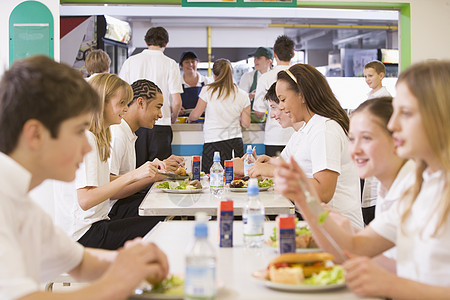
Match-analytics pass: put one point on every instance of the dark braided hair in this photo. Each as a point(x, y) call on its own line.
point(144, 88)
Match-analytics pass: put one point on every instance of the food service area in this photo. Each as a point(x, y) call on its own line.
point(224, 149)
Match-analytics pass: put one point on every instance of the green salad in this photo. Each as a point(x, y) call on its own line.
point(265, 183)
point(326, 277)
point(172, 285)
point(175, 185)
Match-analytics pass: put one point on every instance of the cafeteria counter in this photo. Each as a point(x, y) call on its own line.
point(188, 138)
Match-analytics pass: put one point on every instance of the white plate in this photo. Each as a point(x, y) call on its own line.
point(265, 188)
point(260, 276)
point(175, 191)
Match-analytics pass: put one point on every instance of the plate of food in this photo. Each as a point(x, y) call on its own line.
point(170, 288)
point(240, 185)
point(304, 241)
point(302, 272)
point(181, 187)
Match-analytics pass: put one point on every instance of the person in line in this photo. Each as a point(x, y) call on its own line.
point(47, 106)
point(153, 65)
point(97, 61)
point(192, 80)
point(143, 111)
point(275, 137)
point(226, 108)
point(263, 59)
point(322, 146)
point(83, 210)
point(417, 224)
point(374, 73)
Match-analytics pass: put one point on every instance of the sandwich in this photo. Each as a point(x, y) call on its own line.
point(294, 268)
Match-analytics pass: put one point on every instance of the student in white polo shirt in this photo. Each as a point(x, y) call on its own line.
point(418, 224)
point(143, 111)
point(46, 107)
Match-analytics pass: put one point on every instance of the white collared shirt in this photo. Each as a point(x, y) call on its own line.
point(32, 249)
point(323, 145)
point(153, 65)
point(383, 92)
point(68, 213)
point(247, 80)
point(274, 134)
point(421, 256)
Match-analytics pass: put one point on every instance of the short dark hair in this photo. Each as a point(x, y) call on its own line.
point(284, 48)
point(271, 94)
point(42, 89)
point(157, 36)
point(144, 88)
point(97, 61)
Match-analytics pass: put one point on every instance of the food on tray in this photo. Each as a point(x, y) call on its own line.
point(181, 171)
point(173, 285)
point(243, 183)
point(303, 238)
point(180, 185)
point(315, 268)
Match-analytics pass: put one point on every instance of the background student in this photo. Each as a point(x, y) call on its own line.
point(226, 108)
point(83, 209)
point(418, 224)
point(97, 61)
point(143, 111)
point(153, 65)
point(47, 107)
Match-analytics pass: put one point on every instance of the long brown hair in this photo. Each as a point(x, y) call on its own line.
point(106, 85)
point(312, 86)
point(223, 84)
point(429, 83)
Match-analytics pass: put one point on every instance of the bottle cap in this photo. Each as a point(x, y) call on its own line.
point(249, 149)
point(201, 230)
point(216, 156)
point(253, 188)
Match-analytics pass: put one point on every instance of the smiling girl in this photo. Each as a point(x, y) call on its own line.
point(418, 224)
point(83, 210)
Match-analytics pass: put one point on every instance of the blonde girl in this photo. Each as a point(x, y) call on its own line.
point(418, 224)
point(84, 214)
point(226, 108)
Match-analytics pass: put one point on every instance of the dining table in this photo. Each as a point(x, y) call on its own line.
point(160, 202)
point(235, 266)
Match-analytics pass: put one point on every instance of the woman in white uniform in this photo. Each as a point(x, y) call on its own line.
point(322, 149)
point(418, 224)
point(226, 108)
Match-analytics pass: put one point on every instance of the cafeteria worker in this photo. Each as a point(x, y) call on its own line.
point(193, 81)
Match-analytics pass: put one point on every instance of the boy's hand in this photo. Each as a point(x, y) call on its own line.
point(263, 158)
point(238, 166)
point(260, 170)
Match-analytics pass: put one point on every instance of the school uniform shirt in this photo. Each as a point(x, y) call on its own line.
point(405, 178)
point(370, 192)
point(123, 154)
point(421, 256)
point(153, 65)
point(69, 215)
point(383, 92)
point(323, 145)
point(247, 80)
point(222, 116)
point(32, 249)
point(274, 134)
point(202, 80)
point(291, 146)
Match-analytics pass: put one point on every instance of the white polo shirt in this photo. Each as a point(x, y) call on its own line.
point(68, 213)
point(153, 65)
point(291, 146)
point(247, 80)
point(222, 116)
point(383, 92)
point(32, 249)
point(420, 255)
point(405, 178)
point(274, 134)
point(123, 154)
point(323, 145)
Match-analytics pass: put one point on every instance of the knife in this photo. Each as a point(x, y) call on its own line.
point(173, 175)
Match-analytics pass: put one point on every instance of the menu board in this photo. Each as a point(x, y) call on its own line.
point(239, 3)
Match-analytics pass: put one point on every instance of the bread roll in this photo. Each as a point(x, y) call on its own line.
point(286, 275)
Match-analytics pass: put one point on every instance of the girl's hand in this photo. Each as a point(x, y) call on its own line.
point(263, 158)
point(261, 170)
point(287, 178)
point(365, 278)
point(144, 171)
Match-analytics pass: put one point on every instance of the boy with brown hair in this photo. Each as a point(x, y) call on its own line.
point(45, 109)
point(97, 61)
point(374, 73)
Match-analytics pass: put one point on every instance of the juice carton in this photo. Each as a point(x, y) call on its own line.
point(225, 218)
point(228, 172)
point(286, 233)
point(196, 168)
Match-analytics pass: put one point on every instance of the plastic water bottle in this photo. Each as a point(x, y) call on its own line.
point(216, 174)
point(249, 160)
point(253, 217)
point(200, 280)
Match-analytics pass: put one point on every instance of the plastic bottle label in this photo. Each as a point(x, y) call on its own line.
point(216, 180)
point(253, 225)
point(246, 167)
point(200, 282)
